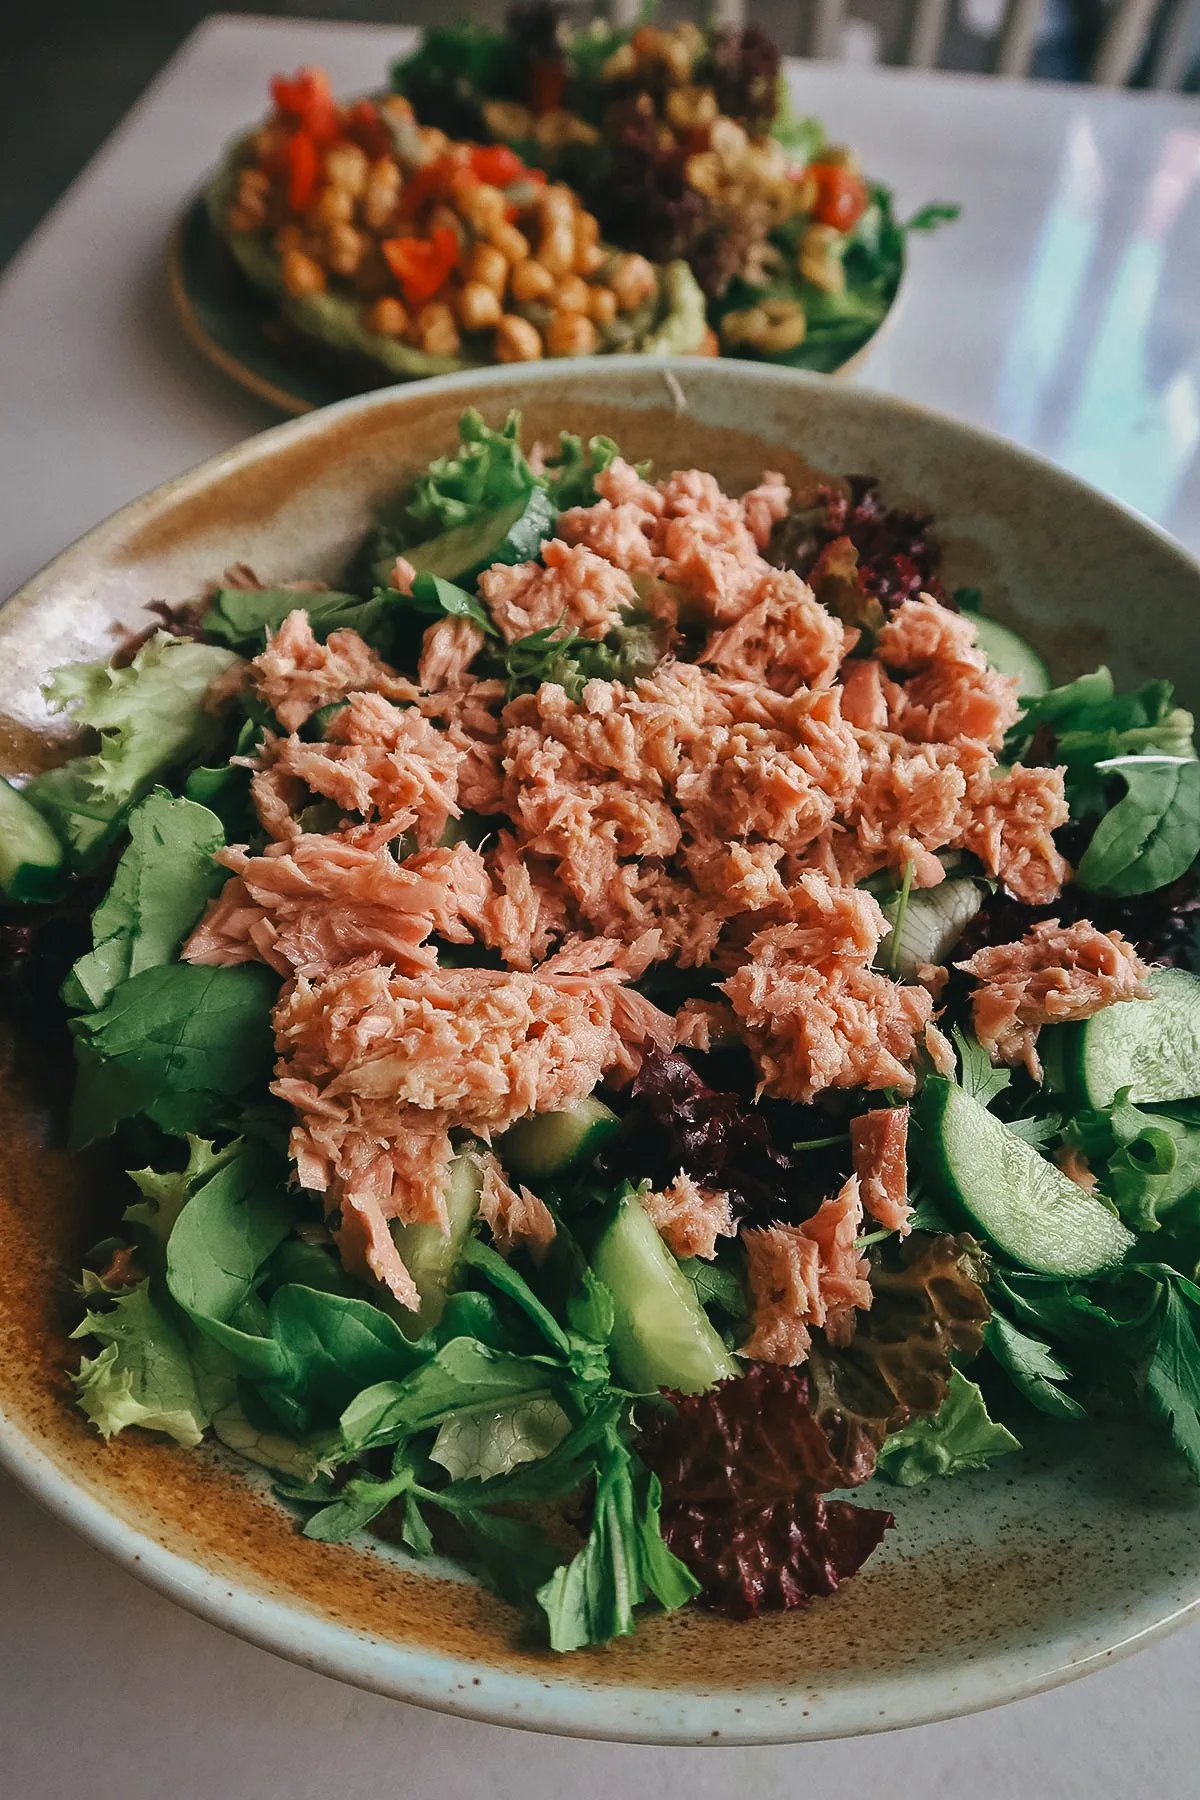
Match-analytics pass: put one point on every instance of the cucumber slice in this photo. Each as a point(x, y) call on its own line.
point(1011, 655)
point(934, 920)
point(514, 534)
point(1029, 1209)
point(31, 856)
point(431, 1256)
point(1151, 1046)
point(662, 1337)
point(551, 1143)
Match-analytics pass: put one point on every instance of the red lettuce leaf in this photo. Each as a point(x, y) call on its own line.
point(771, 1558)
point(899, 556)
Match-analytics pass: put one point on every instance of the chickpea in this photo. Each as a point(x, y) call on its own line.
point(445, 217)
point(344, 249)
point(772, 327)
point(290, 237)
point(588, 259)
point(248, 214)
point(397, 108)
point(487, 266)
point(437, 333)
point(387, 316)
point(818, 260)
point(530, 281)
point(556, 251)
point(380, 194)
point(478, 307)
point(602, 306)
point(347, 167)
point(302, 274)
point(517, 340)
point(621, 65)
point(506, 120)
point(729, 141)
point(434, 143)
point(483, 206)
point(558, 205)
point(570, 334)
point(805, 195)
point(333, 206)
point(691, 108)
point(512, 244)
point(632, 281)
point(571, 294)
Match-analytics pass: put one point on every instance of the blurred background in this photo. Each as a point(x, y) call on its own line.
point(75, 67)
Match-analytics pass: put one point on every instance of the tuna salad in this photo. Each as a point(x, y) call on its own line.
point(638, 1013)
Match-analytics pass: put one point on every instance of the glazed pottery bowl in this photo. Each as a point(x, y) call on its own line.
point(992, 1585)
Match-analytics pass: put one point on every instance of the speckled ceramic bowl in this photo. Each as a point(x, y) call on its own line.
point(992, 1586)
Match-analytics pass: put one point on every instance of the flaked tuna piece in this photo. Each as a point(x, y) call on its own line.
point(865, 693)
point(1053, 974)
point(469, 717)
point(690, 1219)
point(620, 534)
point(785, 638)
point(403, 575)
point(922, 632)
point(295, 675)
point(621, 485)
point(879, 1147)
point(1007, 820)
point(527, 909)
point(738, 878)
point(482, 1047)
point(575, 589)
point(516, 1218)
point(699, 1024)
point(806, 1275)
point(387, 764)
point(373, 1160)
point(310, 905)
point(642, 895)
point(448, 649)
point(781, 783)
point(1075, 1166)
point(714, 558)
point(909, 806)
point(811, 1011)
point(765, 505)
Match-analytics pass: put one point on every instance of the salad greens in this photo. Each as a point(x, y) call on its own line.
point(578, 1421)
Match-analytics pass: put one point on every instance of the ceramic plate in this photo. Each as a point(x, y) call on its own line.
point(991, 1586)
point(238, 330)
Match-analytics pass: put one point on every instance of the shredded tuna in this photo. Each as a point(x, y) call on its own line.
point(864, 694)
point(403, 575)
point(690, 1219)
point(785, 637)
point(621, 485)
point(387, 764)
point(1054, 973)
point(526, 910)
point(879, 1146)
point(922, 632)
point(310, 905)
point(448, 649)
point(295, 675)
point(806, 1275)
point(909, 805)
point(620, 534)
point(951, 693)
point(765, 505)
point(699, 1024)
point(576, 588)
point(515, 1217)
point(1074, 1165)
point(1007, 821)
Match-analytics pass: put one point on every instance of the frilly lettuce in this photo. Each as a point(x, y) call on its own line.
point(958, 1437)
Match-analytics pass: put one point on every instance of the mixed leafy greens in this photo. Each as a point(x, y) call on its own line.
point(516, 1429)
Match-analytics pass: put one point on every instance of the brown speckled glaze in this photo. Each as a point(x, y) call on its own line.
point(992, 1585)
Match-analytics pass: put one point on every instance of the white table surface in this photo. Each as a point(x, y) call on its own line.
point(1064, 310)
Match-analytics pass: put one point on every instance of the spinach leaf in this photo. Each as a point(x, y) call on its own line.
point(463, 1373)
point(440, 598)
point(332, 1347)
point(242, 617)
point(1152, 835)
point(161, 886)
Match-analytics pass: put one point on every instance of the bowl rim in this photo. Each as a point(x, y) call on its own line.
point(468, 1688)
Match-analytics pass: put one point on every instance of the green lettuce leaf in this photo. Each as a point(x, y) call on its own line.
point(299, 1460)
point(162, 884)
point(331, 1347)
point(224, 1234)
point(143, 1374)
point(479, 1445)
point(176, 1042)
point(1173, 1376)
point(462, 1374)
point(150, 717)
point(489, 470)
point(242, 617)
point(165, 1191)
point(1032, 1367)
point(1147, 1161)
point(1152, 835)
point(960, 1436)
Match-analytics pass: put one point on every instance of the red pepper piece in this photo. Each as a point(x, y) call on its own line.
point(303, 167)
point(306, 98)
point(496, 164)
point(422, 266)
point(363, 125)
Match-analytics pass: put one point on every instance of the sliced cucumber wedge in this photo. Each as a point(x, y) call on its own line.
point(662, 1336)
point(1011, 655)
point(1151, 1046)
point(430, 1255)
point(980, 1170)
point(552, 1143)
point(513, 534)
point(934, 919)
point(31, 856)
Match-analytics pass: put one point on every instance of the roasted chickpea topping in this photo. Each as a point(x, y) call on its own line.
point(570, 334)
point(530, 280)
point(632, 281)
point(517, 340)
point(437, 333)
point(772, 327)
point(601, 306)
point(819, 261)
point(387, 316)
point(346, 166)
point(509, 241)
point(380, 194)
point(489, 267)
point(478, 307)
point(302, 274)
point(571, 294)
point(344, 249)
point(333, 206)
